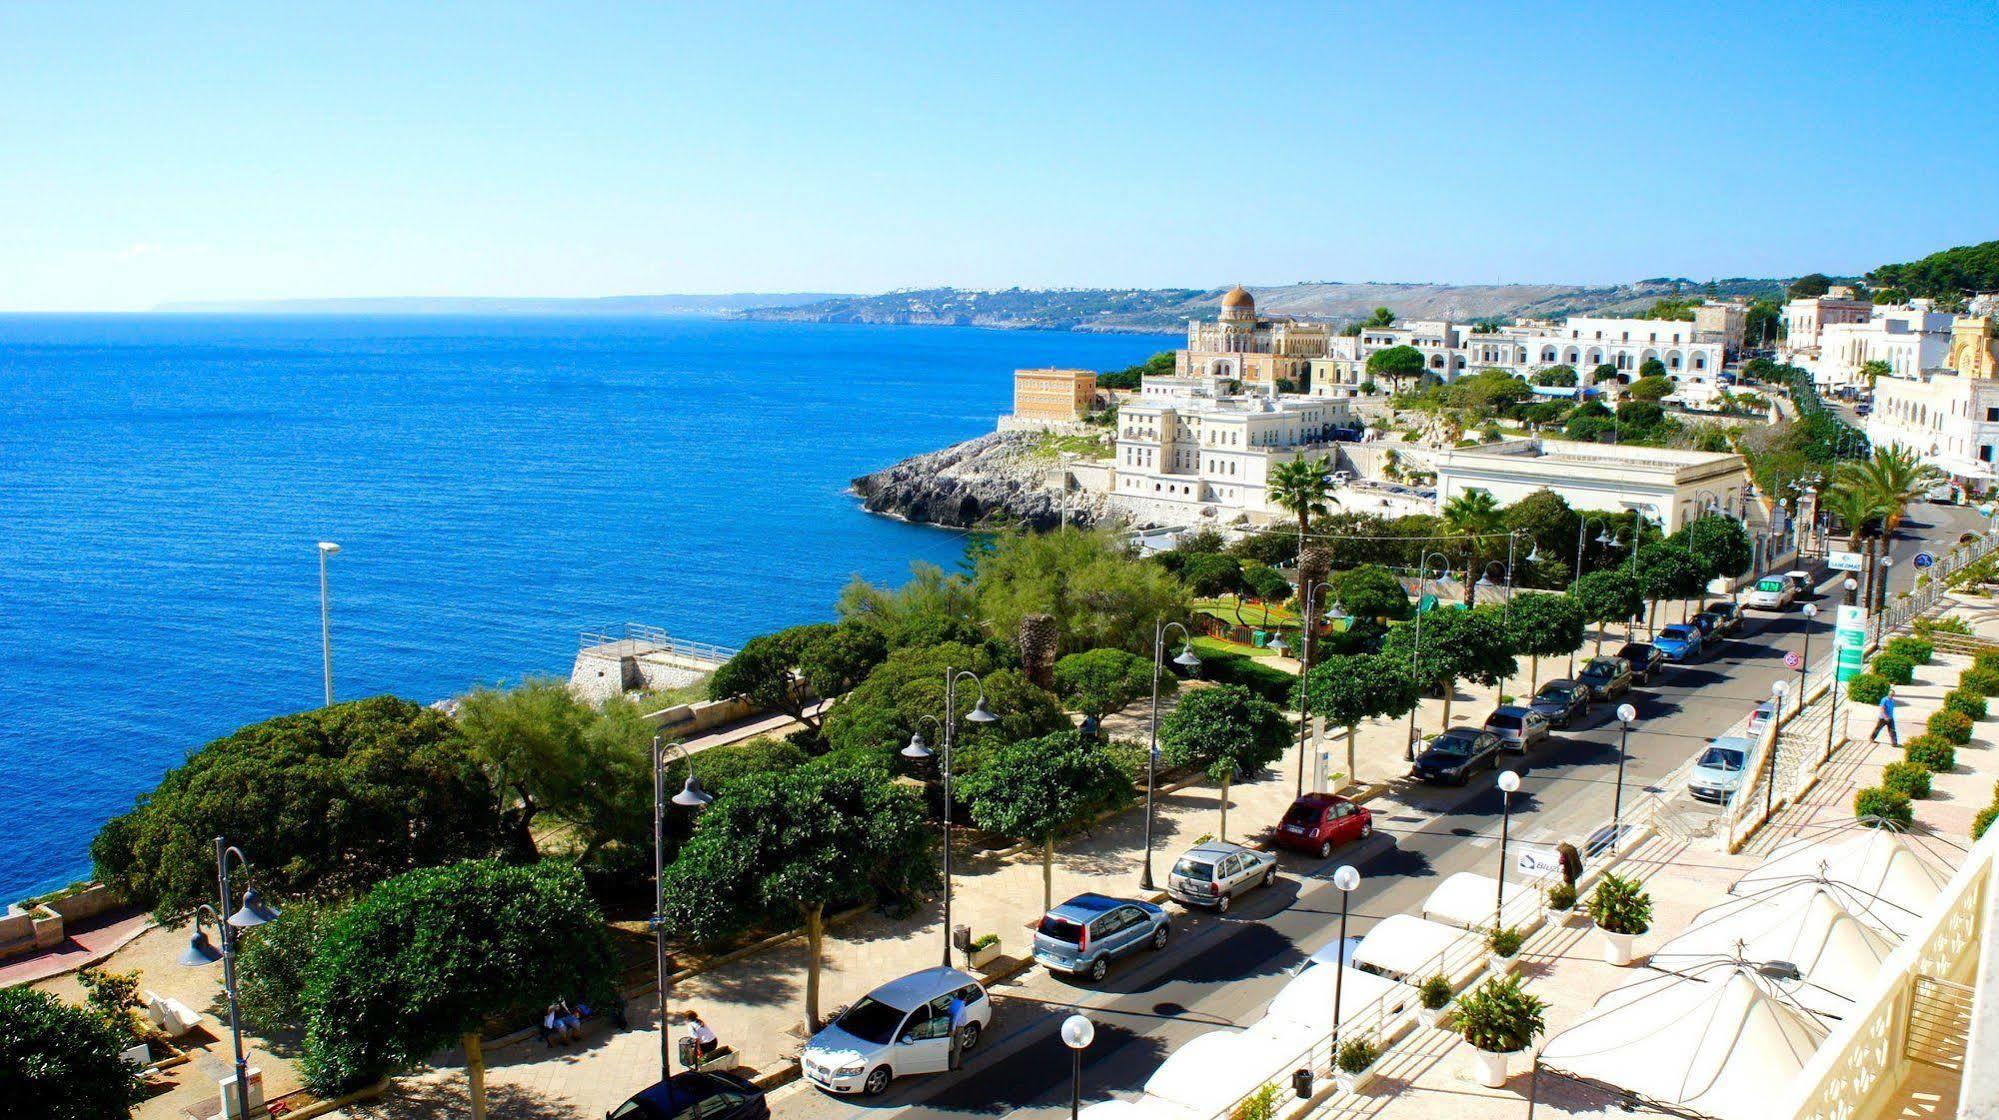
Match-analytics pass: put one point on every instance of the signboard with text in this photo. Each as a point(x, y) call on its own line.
point(1850, 640)
point(1840, 561)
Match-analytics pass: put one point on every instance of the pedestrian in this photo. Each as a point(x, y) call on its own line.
point(1886, 719)
point(705, 1042)
point(957, 1015)
point(1572, 863)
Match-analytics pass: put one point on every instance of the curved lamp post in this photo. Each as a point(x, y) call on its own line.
point(1346, 879)
point(326, 549)
point(201, 951)
point(1416, 649)
point(1777, 691)
point(918, 749)
point(1603, 538)
point(1509, 784)
point(1308, 638)
point(1811, 612)
point(1186, 659)
point(690, 796)
point(1077, 1034)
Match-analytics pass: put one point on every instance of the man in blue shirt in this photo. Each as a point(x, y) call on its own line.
point(1886, 719)
point(957, 1014)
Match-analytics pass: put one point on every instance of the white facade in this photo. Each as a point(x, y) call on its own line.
point(1668, 486)
point(1188, 451)
point(1948, 420)
point(1691, 356)
point(1910, 339)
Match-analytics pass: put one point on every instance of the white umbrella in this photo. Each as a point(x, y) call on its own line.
point(1875, 861)
point(1812, 925)
point(1211, 1072)
point(1402, 946)
point(1466, 900)
point(1308, 998)
point(1723, 1042)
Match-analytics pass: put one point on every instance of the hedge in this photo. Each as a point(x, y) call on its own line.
point(1866, 689)
point(1883, 805)
point(1952, 727)
point(1907, 778)
point(1985, 682)
point(1894, 668)
point(1269, 682)
point(1987, 659)
point(1969, 703)
point(1918, 651)
point(1931, 752)
point(1983, 821)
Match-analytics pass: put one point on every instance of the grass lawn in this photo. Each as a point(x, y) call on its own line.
point(1215, 647)
point(1281, 614)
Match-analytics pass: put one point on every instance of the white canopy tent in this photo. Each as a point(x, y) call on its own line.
point(1308, 998)
point(1403, 945)
point(1812, 924)
point(1874, 861)
point(1720, 1041)
point(1211, 1072)
point(1144, 1108)
point(1467, 900)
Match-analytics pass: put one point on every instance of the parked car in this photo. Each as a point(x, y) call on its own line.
point(1708, 625)
point(1760, 717)
point(711, 1096)
point(1771, 593)
point(1679, 642)
point(900, 1028)
point(1801, 581)
point(1517, 727)
point(1214, 873)
point(1607, 678)
point(1320, 822)
point(1083, 935)
point(1644, 659)
point(1561, 701)
point(1456, 755)
point(1717, 774)
point(1727, 616)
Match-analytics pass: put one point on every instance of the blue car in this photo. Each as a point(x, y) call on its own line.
point(1679, 642)
point(1717, 773)
point(1083, 935)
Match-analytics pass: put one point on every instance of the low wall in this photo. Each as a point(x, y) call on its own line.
point(89, 902)
point(682, 720)
point(26, 931)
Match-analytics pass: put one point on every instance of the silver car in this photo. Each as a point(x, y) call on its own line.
point(1517, 727)
point(1211, 874)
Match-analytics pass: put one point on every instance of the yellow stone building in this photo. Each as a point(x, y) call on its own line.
point(1053, 395)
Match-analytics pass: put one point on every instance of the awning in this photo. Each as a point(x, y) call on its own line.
point(1806, 923)
point(1466, 900)
point(1876, 862)
point(1720, 1041)
point(1404, 946)
point(1211, 1072)
point(1308, 998)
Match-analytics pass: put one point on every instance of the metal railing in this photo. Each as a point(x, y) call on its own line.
point(658, 639)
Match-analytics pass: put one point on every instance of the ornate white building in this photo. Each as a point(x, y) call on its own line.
point(1188, 449)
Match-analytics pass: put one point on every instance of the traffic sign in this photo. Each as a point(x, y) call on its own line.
point(1924, 560)
point(1793, 662)
point(1840, 561)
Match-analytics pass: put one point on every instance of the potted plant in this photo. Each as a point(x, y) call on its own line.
point(1501, 944)
point(1432, 999)
point(985, 949)
point(1354, 1068)
point(1561, 903)
point(1499, 1020)
point(1621, 911)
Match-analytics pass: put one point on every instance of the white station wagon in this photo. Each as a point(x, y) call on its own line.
point(900, 1028)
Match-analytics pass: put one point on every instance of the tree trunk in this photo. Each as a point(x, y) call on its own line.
point(1048, 874)
point(1224, 833)
point(1533, 674)
point(475, 1072)
point(1353, 778)
point(1450, 693)
point(815, 936)
point(1601, 624)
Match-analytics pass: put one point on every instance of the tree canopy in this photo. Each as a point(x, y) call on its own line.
point(1097, 592)
point(1558, 376)
point(1721, 546)
point(887, 708)
point(1456, 644)
point(1345, 689)
point(930, 608)
point(826, 658)
point(544, 750)
point(1039, 789)
point(325, 802)
point(1396, 363)
point(60, 1062)
point(1224, 729)
point(1652, 386)
point(1098, 682)
point(1370, 591)
point(1944, 275)
point(1541, 625)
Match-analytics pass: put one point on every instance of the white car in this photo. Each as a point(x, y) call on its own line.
point(1212, 874)
point(1771, 593)
point(900, 1028)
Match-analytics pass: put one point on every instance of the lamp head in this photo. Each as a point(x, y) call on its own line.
point(200, 950)
point(1811, 610)
point(1346, 878)
point(1509, 781)
point(328, 547)
point(1626, 712)
point(1852, 584)
point(691, 795)
point(253, 912)
point(917, 748)
point(1534, 555)
point(979, 714)
point(1186, 659)
point(1078, 1032)
point(1779, 688)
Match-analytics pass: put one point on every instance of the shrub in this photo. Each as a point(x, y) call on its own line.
point(1499, 1017)
point(985, 940)
point(1356, 1054)
point(1911, 779)
point(1918, 651)
point(1866, 688)
point(1260, 1105)
point(1985, 682)
point(1983, 820)
point(1435, 992)
point(1967, 702)
point(1931, 753)
point(1894, 668)
point(1504, 941)
point(1561, 896)
point(1881, 807)
point(1619, 905)
point(60, 1062)
point(1986, 659)
point(1952, 727)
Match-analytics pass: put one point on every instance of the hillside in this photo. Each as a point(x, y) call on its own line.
point(1168, 309)
point(724, 304)
point(1947, 275)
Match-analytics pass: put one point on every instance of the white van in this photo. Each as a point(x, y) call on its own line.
point(1771, 593)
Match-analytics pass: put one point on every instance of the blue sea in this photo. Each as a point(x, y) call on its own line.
point(496, 485)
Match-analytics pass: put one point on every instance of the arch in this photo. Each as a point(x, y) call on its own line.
point(1436, 361)
point(1595, 358)
point(1573, 357)
point(1548, 354)
point(1700, 361)
point(1673, 360)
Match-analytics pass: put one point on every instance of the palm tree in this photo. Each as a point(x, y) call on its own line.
point(1857, 506)
point(1893, 477)
point(1473, 517)
point(1300, 486)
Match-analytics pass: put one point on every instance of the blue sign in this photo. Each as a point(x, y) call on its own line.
point(1924, 560)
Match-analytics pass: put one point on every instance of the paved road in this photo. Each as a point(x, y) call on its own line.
point(1221, 972)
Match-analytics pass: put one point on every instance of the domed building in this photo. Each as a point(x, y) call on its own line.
point(1241, 346)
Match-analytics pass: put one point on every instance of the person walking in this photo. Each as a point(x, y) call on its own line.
point(1886, 719)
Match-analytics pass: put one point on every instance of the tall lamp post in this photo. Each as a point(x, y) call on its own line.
point(1346, 879)
point(1625, 714)
point(1509, 784)
point(326, 549)
point(1187, 660)
point(917, 748)
point(1603, 538)
point(1832, 717)
point(1777, 690)
point(1077, 1034)
point(201, 951)
point(691, 796)
point(1309, 640)
point(1811, 611)
point(1416, 650)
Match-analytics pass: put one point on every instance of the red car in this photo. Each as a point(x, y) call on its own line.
point(1319, 822)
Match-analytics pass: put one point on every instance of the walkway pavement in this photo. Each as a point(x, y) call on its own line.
point(87, 943)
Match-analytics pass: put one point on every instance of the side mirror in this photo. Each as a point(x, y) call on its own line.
point(909, 1039)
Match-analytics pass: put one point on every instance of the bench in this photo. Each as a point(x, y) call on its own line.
point(173, 1017)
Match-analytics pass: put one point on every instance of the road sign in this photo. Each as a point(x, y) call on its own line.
point(1840, 561)
point(1924, 560)
point(1850, 639)
point(1793, 662)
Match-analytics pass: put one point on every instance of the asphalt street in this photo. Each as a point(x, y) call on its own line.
point(1220, 972)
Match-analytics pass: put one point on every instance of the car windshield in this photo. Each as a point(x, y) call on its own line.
point(1555, 693)
point(1452, 745)
point(1191, 868)
point(1061, 929)
point(871, 1020)
point(1500, 721)
point(1769, 585)
point(1600, 669)
point(1722, 758)
point(1635, 652)
point(1676, 631)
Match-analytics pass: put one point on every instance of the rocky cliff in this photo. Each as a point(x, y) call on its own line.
point(992, 479)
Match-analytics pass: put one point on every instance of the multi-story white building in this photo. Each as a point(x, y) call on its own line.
point(1671, 487)
point(1805, 318)
point(1947, 416)
point(1910, 339)
point(1690, 355)
point(1187, 449)
point(1241, 346)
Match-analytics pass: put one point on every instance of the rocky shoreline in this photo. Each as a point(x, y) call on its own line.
point(994, 479)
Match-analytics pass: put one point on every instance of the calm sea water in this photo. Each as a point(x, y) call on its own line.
point(496, 485)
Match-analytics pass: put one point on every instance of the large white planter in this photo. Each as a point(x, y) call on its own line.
point(1430, 1018)
point(985, 956)
point(1490, 1068)
point(1354, 1082)
point(1498, 965)
point(1563, 917)
point(1618, 948)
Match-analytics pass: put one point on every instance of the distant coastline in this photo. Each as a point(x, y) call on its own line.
point(724, 304)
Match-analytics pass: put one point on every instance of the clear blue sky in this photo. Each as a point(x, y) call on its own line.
point(508, 149)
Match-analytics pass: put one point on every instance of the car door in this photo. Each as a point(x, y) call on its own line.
point(1346, 822)
point(1488, 746)
point(924, 1046)
point(1110, 932)
point(1232, 870)
point(1133, 929)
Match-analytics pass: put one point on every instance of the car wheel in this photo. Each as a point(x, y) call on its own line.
point(1325, 849)
point(877, 1082)
point(968, 1037)
point(1269, 876)
point(1100, 968)
point(1367, 828)
point(1159, 937)
point(1222, 903)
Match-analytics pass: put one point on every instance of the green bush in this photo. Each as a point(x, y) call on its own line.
point(1268, 681)
point(1970, 704)
point(1931, 752)
point(1498, 1017)
point(1911, 779)
point(1894, 668)
point(1866, 689)
point(1916, 650)
point(1988, 660)
point(1620, 905)
point(1561, 896)
point(1356, 1054)
point(1983, 820)
point(1882, 807)
point(1985, 682)
point(1435, 992)
point(1952, 727)
point(1504, 941)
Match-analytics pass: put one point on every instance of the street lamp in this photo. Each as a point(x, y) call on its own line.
point(1185, 660)
point(918, 749)
point(1625, 714)
point(1308, 639)
point(1811, 611)
point(201, 951)
point(1509, 784)
point(1077, 1034)
point(1604, 539)
point(1346, 879)
point(326, 549)
point(691, 796)
point(1416, 650)
point(1777, 690)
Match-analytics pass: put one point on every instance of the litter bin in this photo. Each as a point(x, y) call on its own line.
point(1301, 1083)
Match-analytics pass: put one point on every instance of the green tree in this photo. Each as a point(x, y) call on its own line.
point(723, 768)
point(423, 960)
point(1542, 625)
point(1650, 368)
point(1607, 596)
point(1651, 387)
point(1721, 545)
point(1213, 575)
point(837, 831)
point(931, 608)
point(1604, 374)
point(1809, 286)
point(1301, 486)
point(275, 965)
point(59, 1062)
point(1547, 526)
point(1454, 645)
point(1875, 370)
point(1488, 393)
point(887, 708)
point(547, 751)
point(1098, 682)
point(1267, 584)
point(1041, 789)
point(1893, 478)
point(1345, 689)
point(1563, 376)
point(1226, 730)
point(1396, 364)
point(1370, 591)
point(329, 800)
point(1668, 570)
point(1382, 317)
point(768, 673)
point(1097, 592)
point(1478, 528)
